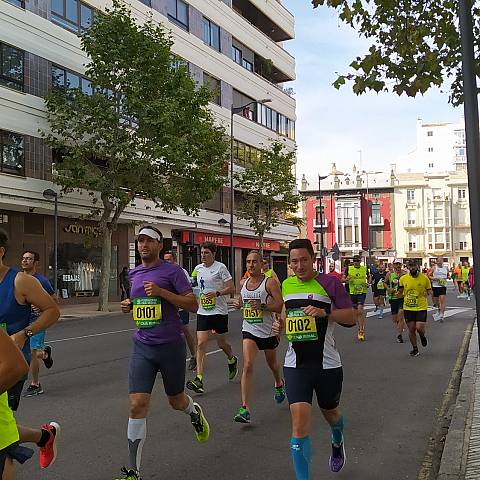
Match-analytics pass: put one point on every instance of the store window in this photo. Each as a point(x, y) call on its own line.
point(12, 158)
point(11, 67)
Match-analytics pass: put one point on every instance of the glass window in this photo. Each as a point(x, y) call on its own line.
point(236, 55)
point(17, 3)
point(241, 153)
point(215, 86)
point(73, 80)
point(72, 14)
point(248, 65)
point(11, 153)
point(178, 13)
point(62, 78)
point(410, 195)
point(11, 67)
point(211, 34)
point(71, 10)
point(86, 16)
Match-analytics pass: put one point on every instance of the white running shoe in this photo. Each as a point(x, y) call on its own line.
point(437, 316)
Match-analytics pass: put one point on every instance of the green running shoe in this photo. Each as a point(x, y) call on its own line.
point(243, 415)
point(196, 385)
point(200, 424)
point(129, 475)
point(280, 393)
point(232, 368)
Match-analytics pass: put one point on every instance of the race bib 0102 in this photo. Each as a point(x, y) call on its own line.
point(147, 311)
point(300, 327)
point(207, 303)
point(252, 315)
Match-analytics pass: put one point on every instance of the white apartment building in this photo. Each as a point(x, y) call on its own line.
point(432, 217)
point(236, 46)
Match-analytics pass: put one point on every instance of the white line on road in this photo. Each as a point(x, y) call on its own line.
point(92, 335)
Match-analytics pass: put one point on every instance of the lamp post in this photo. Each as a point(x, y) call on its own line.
point(233, 111)
point(50, 195)
point(322, 255)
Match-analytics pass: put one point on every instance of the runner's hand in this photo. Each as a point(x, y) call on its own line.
point(237, 303)
point(19, 339)
point(152, 290)
point(315, 312)
point(126, 305)
point(210, 295)
point(276, 327)
point(255, 304)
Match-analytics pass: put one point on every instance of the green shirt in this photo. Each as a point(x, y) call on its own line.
point(465, 272)
point(357, 280)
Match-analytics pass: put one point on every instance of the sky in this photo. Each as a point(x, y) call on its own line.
point(333, 126)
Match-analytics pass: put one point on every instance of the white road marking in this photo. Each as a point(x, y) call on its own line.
point(92, 335)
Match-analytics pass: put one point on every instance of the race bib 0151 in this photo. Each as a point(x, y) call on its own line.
point(252, 315)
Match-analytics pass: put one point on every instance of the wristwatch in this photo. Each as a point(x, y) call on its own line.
point(217, 294)
point(28, 333)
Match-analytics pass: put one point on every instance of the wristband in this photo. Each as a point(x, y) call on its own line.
point(217, 294)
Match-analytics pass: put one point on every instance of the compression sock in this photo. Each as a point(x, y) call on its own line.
point(300, 449)
point(137, 433)
point(337, 432)
point(190, 407)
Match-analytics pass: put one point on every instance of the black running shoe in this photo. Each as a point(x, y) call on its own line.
point(196, 385)
point(414, 352)
point(423, 339)
point(49, 360)
point(233, 369)
point(33, 390)
point(399, 339)
point(192, 363)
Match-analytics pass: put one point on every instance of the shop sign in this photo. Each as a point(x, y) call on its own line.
point(71, 278)
point(82, 230)
point(239, 242)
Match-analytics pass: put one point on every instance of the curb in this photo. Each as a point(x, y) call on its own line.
point(85, 316)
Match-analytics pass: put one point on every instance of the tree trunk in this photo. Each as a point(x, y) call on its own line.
point(260, 241)
point(105, 273)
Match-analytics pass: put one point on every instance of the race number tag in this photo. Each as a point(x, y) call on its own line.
point(300, 327)
point(147, 311)
point(358, 289)
point(252, 315)
point(411, 299)
point(207, 303)
point(3, 326)
point(442, 281)
point(380, 285)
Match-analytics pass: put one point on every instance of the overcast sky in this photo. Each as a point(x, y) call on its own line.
point(332, 126)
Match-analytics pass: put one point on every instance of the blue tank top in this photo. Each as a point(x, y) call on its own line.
point(13, 316)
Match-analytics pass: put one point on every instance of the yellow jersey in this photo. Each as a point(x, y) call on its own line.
point(8, 425)
point(415, 291)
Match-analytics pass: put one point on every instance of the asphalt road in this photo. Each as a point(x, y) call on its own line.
point(389, 403)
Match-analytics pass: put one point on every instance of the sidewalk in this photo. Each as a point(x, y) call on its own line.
point(87, 310)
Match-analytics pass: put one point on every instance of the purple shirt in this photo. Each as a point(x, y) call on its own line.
point(336, 291)
point(172, 278)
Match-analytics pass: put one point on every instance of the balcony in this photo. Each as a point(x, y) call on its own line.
point(410, 224)
point(416, 247)
point(376, 221)
point(318, 227)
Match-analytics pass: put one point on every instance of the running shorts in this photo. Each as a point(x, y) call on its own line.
point(358, 299)
point(184, 317)
point(15, 394)
point(300, 383)
point(378, 293)
point(147, 360)
point(415, 316)
point(216, 323)
point(437, 291)
point(269, 343)
point(396, 304)
point(15, 451)
point(37, 341)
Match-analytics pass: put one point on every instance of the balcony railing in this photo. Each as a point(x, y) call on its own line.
point(412, 224)
point(376, 221)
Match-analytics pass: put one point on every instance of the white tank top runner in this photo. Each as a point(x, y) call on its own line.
point(440, 275)
point(256, 323)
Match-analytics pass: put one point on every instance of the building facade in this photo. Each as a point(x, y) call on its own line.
point(234, 46)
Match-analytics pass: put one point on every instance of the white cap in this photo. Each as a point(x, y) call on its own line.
point(397, 260)
point(149, 232)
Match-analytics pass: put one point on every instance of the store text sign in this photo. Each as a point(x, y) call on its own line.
point(239, 242)
point(82, 230)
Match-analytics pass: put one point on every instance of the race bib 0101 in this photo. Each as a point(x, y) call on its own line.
point(207, 303)
point(147, 311)
point(411, 299)
point(252, 315)
point(300, 327)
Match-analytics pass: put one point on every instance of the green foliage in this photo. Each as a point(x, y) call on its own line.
point(415, 45)
point(269, 189)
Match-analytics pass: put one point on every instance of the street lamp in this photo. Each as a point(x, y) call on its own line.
point(50, 195)
point(233, 111)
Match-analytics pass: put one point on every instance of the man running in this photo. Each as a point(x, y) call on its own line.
point(314, 303)
point(171, 257)
point(465, 284)
point(268, 270)
point(458, 279)
point(18, 291)
point(40, 351)
point(333, 273)
point(357, 284)
point(260, 298)
point(379, 288)
point(215, 284)
point(438, 276)
point(395, 297)
point(415, 287)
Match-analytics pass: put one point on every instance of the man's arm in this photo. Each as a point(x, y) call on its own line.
point(12, 363)
point(343, 312)
point(186, 300)
point(273, 288)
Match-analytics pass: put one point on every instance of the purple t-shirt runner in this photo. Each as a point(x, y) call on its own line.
point(170, 277)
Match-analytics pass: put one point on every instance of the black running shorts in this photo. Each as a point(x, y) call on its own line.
point(216, 323)
point(147, 360)
point(415, 316)
point(378, 293)
point(437, 291)
point(358, 299)
point(15, 394)
point(269, 343)
point(396, 304)
point(300, 384)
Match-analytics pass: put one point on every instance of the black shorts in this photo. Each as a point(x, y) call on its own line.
point(358, 299)
point(15, 394)
point(184, 317)
point(216, 323)
point(15, 451)
point(300, 384)
point(379, 293)
point(437, 291)
point(415, 316)
point(396, 304)
point(147, 360)
point(269, 343)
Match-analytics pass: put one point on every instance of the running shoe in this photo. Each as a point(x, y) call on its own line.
point(48, 453)
point(414, 352)
point(200, 424)
point(423, 339)
point(49, 360)
point(361, 336)
point(243, 415)
point(192, 363)
point(280, 393)
point(399, 339)
point(129, 475)
point(196, 385)
point(436, 317)
point(233, 368)
point(33, 390)
point(337, 458)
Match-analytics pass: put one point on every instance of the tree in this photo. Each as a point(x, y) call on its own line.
point(268, 186)
point(144, 129)
point(415, 45)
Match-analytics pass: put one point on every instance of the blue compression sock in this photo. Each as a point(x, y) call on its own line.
point(301, 453)
point(337, 432)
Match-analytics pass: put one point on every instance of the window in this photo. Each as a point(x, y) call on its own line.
point(236, 55)
point(65, 78)
point(72, 14)
point(376, 217)
point(411, 217)
point(11, 67)
point(430, 165)
point(463, 246)
point(248, 65)
point(410, 195)
point(178, 13)
point(214, 85)
point(459, 136)
point(17, 3)
point(430, 133)
point(462, 193)
point(430, 149)
point(11, 153)
point(211, 34)
point(320, 215)
point(412, 246)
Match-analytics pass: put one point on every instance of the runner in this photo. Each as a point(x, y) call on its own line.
point(379, 289)
point(357, 284)
point(314, 303)
point(124, 283)
point(465, 284)
point(333, 273)
point(415, 287)
point(215, 284)
point(395, 297)
point(458, 279)
point(438, 277)
point(267, 270)
point(18, 291)
point(346, 266)
point(158, 289)
point(40, 351)
point(171, 257)
point(260, 298)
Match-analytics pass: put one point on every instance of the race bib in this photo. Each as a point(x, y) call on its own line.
point(442, 281)
point(3, 326)
point(411, 299)
point(380, 285)
point(147, 312)
point(207, 303)
point(252, 315)
point(358, 289)
point(300, 327)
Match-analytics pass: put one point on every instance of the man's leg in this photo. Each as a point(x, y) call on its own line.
point(412, 334)
point(35, 366)
point(7, 470)
point(400, 322)
point(139, 404)
point(250, 351)
point(224, 345)
point(442, 305)
point(190, 340)
point(272, 362)
point(361, 316)
point(300, 446)
point(202, 339)
point(421, 329)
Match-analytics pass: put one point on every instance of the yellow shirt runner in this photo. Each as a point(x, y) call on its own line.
point(415, 292)
point(8, 425)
